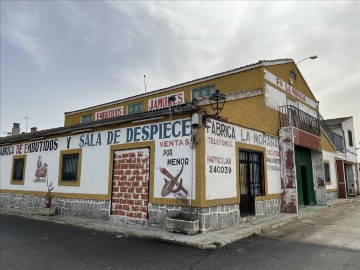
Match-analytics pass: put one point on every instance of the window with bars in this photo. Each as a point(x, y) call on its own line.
point(327, 173)
point(135, 108)
point(203, 91)
point(350, 138)
point(70, 167)
point(18, 170)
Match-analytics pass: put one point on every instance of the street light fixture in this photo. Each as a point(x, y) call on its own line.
point(311, 57)
point(217, 102)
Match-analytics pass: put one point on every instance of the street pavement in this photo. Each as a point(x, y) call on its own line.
point(337, 227)
point(36, 245)
point(208, 240)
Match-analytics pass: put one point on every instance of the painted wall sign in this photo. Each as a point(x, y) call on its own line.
point(111, 113)
point(288, 88)
point(33, 147)
point(172, 166)
point(220, 160)
point(274, 98)
point(163, 101)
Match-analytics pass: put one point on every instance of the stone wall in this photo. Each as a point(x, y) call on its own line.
point(331, 195)
point(210, 218)
point(268, 207)
point(64, 206)
point(218, 217)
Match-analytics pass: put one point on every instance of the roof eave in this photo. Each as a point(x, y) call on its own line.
point(86, 127)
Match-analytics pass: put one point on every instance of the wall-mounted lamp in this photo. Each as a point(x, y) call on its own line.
point(217, 102)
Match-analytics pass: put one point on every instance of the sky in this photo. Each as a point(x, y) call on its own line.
point(61, 56)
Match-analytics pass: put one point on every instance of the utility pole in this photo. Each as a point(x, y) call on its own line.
point(145, 83)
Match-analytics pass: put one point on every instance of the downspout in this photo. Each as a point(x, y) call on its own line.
point(345, 174)
point(195, 123)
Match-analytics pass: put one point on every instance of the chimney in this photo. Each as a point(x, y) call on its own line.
point(33, 129)
point(16, 129)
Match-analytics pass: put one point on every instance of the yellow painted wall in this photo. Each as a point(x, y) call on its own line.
point(246, 80)
point(253, 114)
point(326, 144)
point(283, 72)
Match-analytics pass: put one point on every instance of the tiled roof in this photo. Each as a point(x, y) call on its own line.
point(220, 74)
point(336, 121)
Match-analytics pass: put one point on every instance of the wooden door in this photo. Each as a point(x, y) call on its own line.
point(341, 179)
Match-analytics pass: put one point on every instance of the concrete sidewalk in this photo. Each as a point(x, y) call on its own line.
point(208, 240)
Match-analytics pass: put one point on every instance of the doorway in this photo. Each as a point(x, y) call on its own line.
point(251, 174)
point(130, 183)
point(304, 177)
point(341, 179)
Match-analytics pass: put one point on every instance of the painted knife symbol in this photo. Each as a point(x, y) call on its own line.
point(170, 185)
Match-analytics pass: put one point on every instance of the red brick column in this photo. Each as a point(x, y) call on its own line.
point(131, 183)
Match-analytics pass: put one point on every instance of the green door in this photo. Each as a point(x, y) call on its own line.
point(304, 176)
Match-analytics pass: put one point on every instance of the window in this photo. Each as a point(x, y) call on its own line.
point(70, 168)
point(252, 173)
point(350, 138)
point(136, 108)
point(203, 91)
point(293, 75)
point(327, 173)
point(18, 170)
point(86, 118)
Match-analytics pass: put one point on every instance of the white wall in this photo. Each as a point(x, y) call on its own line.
point(221, 185)
point(350, 150)
point(172, 145)
point(329, 156)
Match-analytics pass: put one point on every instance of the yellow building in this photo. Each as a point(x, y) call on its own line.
point(147, 157)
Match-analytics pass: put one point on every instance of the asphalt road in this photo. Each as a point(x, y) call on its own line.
point(337, 227)
point(32, 244)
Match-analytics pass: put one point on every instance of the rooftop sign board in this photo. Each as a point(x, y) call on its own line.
point(164, 102)
point(110, 113)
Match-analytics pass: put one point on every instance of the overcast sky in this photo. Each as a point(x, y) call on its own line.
point(59, 56)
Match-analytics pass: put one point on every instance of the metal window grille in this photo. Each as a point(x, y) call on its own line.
point(69, 170)
point(18, 170)
point(327, 172)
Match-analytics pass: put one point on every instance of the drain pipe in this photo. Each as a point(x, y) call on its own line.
point(195, 123)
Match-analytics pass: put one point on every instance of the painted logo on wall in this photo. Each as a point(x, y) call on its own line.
point(172, 183)
point(41, 172)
